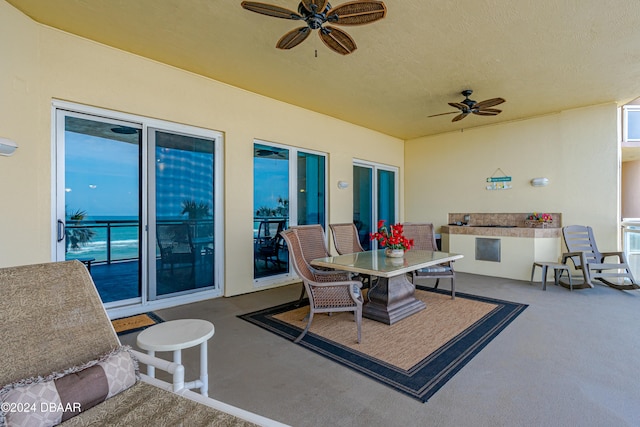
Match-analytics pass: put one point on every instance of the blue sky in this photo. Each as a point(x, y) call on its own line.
point(101, 176)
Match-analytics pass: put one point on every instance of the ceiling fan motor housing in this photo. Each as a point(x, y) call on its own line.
point(313, 18)
point(470, 103)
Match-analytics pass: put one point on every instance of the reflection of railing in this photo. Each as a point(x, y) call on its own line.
point(127, 234)
point(631, 243)
point(257, 220)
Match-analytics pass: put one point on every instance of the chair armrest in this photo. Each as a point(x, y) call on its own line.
point(621, 256)
point(341, 283)
point(176, 369)
point(571, 255)
point(331, 275)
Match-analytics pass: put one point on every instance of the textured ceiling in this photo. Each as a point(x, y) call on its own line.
point(541, 56)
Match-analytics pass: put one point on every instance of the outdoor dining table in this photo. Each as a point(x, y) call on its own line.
point(392, 297)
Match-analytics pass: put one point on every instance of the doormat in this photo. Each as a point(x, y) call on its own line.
point(136, 323)
point(415, 356)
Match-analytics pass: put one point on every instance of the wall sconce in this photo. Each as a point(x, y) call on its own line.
point(7, 147)
point(343, 185)
point(540, 182)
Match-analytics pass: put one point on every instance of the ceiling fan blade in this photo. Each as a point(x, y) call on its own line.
point(357, 12)
point(488, 112)
point(270, 10)
point(458, 105)
point(488, 103)
point(337, 40)
point(293, 38)
point(460, 117)
point(443, 114)
point(320, 5)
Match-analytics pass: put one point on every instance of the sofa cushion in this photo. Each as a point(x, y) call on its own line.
point(59, 396)
point(147, 405)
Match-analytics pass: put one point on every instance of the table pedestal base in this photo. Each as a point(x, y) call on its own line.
point(392, 299)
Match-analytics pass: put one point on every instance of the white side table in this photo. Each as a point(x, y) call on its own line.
point(176, 335)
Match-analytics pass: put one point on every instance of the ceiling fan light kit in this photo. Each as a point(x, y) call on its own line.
point(7, 147)
point(316, 14)
point(469, 106)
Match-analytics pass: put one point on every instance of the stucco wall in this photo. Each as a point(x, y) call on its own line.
point(47, 64)
point(576, 150)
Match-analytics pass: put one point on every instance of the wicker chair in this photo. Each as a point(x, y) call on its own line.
point(327, 290)
point(585, 256)
point(314, 245)
point(425, 239)
point(345, 239)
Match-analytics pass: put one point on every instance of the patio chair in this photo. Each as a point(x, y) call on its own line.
point(59, 348)
point(268, 243)
point(346, 241)
point(314, 245)
point(176, 245)
point(327, 292)
point(424, 239)
point(586, 257)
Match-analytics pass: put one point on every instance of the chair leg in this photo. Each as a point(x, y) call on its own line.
point(453, 287)
point(301, 296)
point(437, 283)
point(297, 340)
point(358, 314)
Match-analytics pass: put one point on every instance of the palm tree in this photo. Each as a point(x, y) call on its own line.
point(195, 210)
point(77, 237)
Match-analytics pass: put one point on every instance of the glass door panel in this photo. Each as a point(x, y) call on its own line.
point(386, 196)
point(311, 189)
point(363, 203)
point(374, 199)
point(271, 210)
point(99, 194)
point(183, 200)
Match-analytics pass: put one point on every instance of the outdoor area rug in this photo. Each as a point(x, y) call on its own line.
point(127, 325)
point(416, 355)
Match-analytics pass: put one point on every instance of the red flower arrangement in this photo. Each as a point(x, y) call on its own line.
point(392, 238)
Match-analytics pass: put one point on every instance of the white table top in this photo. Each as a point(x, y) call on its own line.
point(175, 335)
point(375, 263)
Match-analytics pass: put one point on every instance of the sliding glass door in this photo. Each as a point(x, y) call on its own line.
point(289, 189)
point(183, 176)
point(99, 201)
point(375, 197)
point(139, 202)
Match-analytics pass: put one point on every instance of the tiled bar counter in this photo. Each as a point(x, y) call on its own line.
point(501, 244)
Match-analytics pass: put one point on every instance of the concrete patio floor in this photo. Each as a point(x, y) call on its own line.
point(571, 358)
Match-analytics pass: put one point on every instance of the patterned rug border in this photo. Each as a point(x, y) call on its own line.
point(157, 319)
point(425, 378)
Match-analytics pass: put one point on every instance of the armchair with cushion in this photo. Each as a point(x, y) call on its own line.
point(345, 239)
point(328, 292)
point(313, 245)
point(62, 359)
point(424, 239)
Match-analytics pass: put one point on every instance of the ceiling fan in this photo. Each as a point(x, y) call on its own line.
point(469, 106)
point(317, 13)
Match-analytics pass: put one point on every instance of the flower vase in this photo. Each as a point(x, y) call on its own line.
point(394, 253)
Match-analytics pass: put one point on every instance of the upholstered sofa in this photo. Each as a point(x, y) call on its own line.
point(61, 361)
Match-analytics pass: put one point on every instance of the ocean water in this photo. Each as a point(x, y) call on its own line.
point(124, 240)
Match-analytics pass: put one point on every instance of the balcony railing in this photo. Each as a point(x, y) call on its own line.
point(631, 243)
point(118, 240)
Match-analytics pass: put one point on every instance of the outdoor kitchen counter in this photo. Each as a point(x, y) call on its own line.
point(515, 249)
point(502, 231)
